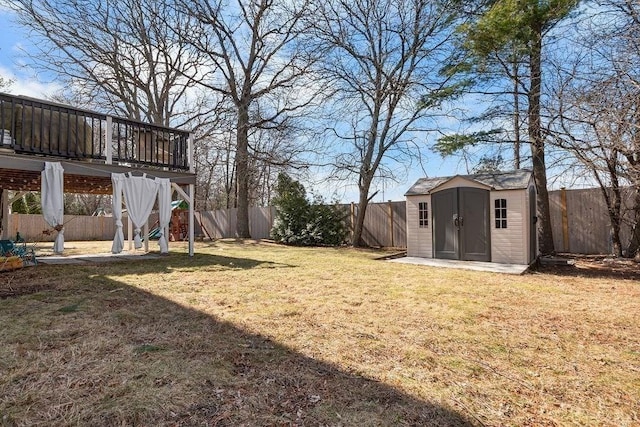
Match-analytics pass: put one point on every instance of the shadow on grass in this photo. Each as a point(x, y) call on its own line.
point(182, 262)
point(127, 357)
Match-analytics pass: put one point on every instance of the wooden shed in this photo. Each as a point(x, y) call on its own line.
point(483, 217)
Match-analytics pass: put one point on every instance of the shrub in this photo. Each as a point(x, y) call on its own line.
point(299, 222)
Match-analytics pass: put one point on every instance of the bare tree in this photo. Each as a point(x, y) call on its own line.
point(596, 111)
point(5, 83)
point(128, 57)
point(121, 55)
point(383, 59)
point(257, 65)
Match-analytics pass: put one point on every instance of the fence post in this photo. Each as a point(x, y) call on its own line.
point(390, 209)
point(4, 213)
point(565, 219)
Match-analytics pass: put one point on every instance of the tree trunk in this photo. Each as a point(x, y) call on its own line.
point(242, 171)
point(633, 250)
point(363, 203)
point(545, 234)
point(614, 207)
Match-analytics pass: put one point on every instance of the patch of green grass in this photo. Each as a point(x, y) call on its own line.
point(72, 308)
point(147, 348)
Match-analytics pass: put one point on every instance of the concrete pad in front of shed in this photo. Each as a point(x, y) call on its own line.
point(492, 267)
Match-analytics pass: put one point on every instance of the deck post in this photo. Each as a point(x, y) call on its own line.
point(192, 192)
point(192, 189)
point(4, 206)
point(108, 137)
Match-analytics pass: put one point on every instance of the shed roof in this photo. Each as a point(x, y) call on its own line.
point(512, 180)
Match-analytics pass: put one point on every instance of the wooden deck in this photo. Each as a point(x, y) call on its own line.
point(21, 172)
point(89, 145)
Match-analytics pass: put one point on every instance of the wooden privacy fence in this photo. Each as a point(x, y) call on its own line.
point(578, 217)
point(384, 225)
point(33, 228)
point(580, 221)
point(221, 223)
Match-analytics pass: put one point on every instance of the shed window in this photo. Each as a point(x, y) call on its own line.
point(423, 214)
point(501, 213)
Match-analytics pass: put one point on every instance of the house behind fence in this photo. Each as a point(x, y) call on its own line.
point(579, 221)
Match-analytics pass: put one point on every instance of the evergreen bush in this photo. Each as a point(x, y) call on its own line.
point(299, 222)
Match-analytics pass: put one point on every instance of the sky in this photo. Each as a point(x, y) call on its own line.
point(14, 42)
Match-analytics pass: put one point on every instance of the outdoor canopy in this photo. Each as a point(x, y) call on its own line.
point(164, 208)
point(118, 240)
point(139, 196)
point(52, 196)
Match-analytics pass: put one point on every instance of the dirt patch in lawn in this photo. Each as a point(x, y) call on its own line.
point(594, 266)
point(22, 282)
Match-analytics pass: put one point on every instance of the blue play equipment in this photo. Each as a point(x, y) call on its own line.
point(154, 233)
point(19, 248)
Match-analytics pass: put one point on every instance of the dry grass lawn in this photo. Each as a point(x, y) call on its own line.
point(255, 334)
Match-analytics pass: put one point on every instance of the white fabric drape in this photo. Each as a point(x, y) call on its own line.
point(139, 195)
point(164, 211)
point(52, 197)
point(118, 240)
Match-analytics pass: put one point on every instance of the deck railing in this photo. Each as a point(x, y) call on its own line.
point(31, 126)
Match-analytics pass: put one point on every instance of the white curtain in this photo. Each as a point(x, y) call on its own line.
point(139, 195)
point(52, 196)
point(118, 240)
point(164, 211)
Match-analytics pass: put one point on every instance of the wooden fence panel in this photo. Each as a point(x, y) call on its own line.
point(588, 222)
point(217, 222)
point(579, 222)
point(399, 224)
point(556, 209)
point(375, 232)
point(33, 228)
point(260, 222)
point(385, 224)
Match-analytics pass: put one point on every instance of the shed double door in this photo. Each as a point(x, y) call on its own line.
point(461, 224)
